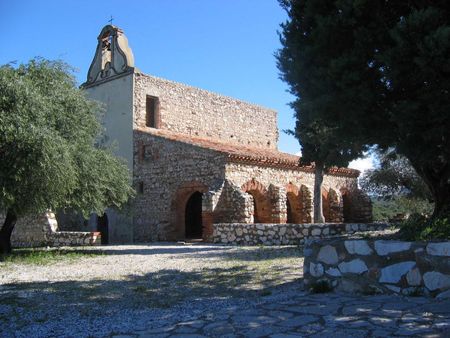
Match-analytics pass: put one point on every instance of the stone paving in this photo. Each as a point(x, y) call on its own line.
point(316, 315)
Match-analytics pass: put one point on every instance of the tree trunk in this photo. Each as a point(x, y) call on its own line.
point(318, 179)
point(437, 178)
point(6, 231)
point(441, 194)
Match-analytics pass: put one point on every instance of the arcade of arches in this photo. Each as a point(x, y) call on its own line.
point(198, 207)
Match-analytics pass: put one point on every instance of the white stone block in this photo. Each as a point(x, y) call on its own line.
point(439, 249)
point(328, 255)
point(355, 266)
point(305, 232)
point(239, 232)
point(435, 280)
point(282, 231)
point(325, 231)
point(315, 232)
point(333, 272)
point(316, 270)
point(393, 273)
point(358, 247)
point(384, 248)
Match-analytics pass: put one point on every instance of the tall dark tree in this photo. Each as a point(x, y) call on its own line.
point(48, 152)
point(388, 67)
point(311, 43)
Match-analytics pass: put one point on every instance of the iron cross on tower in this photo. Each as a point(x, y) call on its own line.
point(111, 20)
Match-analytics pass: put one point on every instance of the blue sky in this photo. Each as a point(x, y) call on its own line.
point(225, 46)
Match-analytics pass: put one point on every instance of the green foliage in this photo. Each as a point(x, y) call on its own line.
point(46, 257)
point(48, 132)
point(311, 43)
point(373, 73)
point(420, 228)
point(393, 177)
point(386, 209)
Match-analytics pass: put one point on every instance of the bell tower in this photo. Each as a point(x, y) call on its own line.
point(113, 57)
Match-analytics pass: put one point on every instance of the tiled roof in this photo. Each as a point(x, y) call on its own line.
point(244, 154)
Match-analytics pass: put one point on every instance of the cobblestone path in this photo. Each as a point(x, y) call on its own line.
point(319, 315)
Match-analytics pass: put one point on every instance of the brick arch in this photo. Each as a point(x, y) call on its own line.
point(254, 185)
point(292, 188)
point(262, 205)
point(178, 207)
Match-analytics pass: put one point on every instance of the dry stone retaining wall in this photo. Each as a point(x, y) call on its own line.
point(379, 266)
point(278, 234)
point(42, 230)
point(74, 238)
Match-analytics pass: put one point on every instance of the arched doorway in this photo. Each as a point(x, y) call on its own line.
point(193, 216)
point(102, 227)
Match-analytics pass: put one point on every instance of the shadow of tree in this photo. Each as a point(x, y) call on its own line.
point(259, 253)
point(160, 289)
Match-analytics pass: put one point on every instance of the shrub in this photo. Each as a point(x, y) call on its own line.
point(420, 228)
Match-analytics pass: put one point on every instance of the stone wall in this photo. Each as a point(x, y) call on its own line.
point(379, 266)
point(165, 176)
point(73, 238)
point(42, 230)
point(196, 112)
point(284, 234)
point(342, 201)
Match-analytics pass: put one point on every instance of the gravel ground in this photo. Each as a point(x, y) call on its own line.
point(128, 288)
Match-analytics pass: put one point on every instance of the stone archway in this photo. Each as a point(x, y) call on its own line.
point(293, 204)
point(102, 227)
point(193, 216)
point(261, 202)
point(181, 209)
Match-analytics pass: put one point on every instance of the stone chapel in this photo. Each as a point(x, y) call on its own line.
point(199, 158)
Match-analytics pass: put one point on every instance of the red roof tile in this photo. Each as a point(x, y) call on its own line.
point(244, 154)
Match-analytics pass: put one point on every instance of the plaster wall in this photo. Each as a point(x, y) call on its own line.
point(117, 98)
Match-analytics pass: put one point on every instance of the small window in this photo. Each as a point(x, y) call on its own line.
point(140, 188)
point(152, 112)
